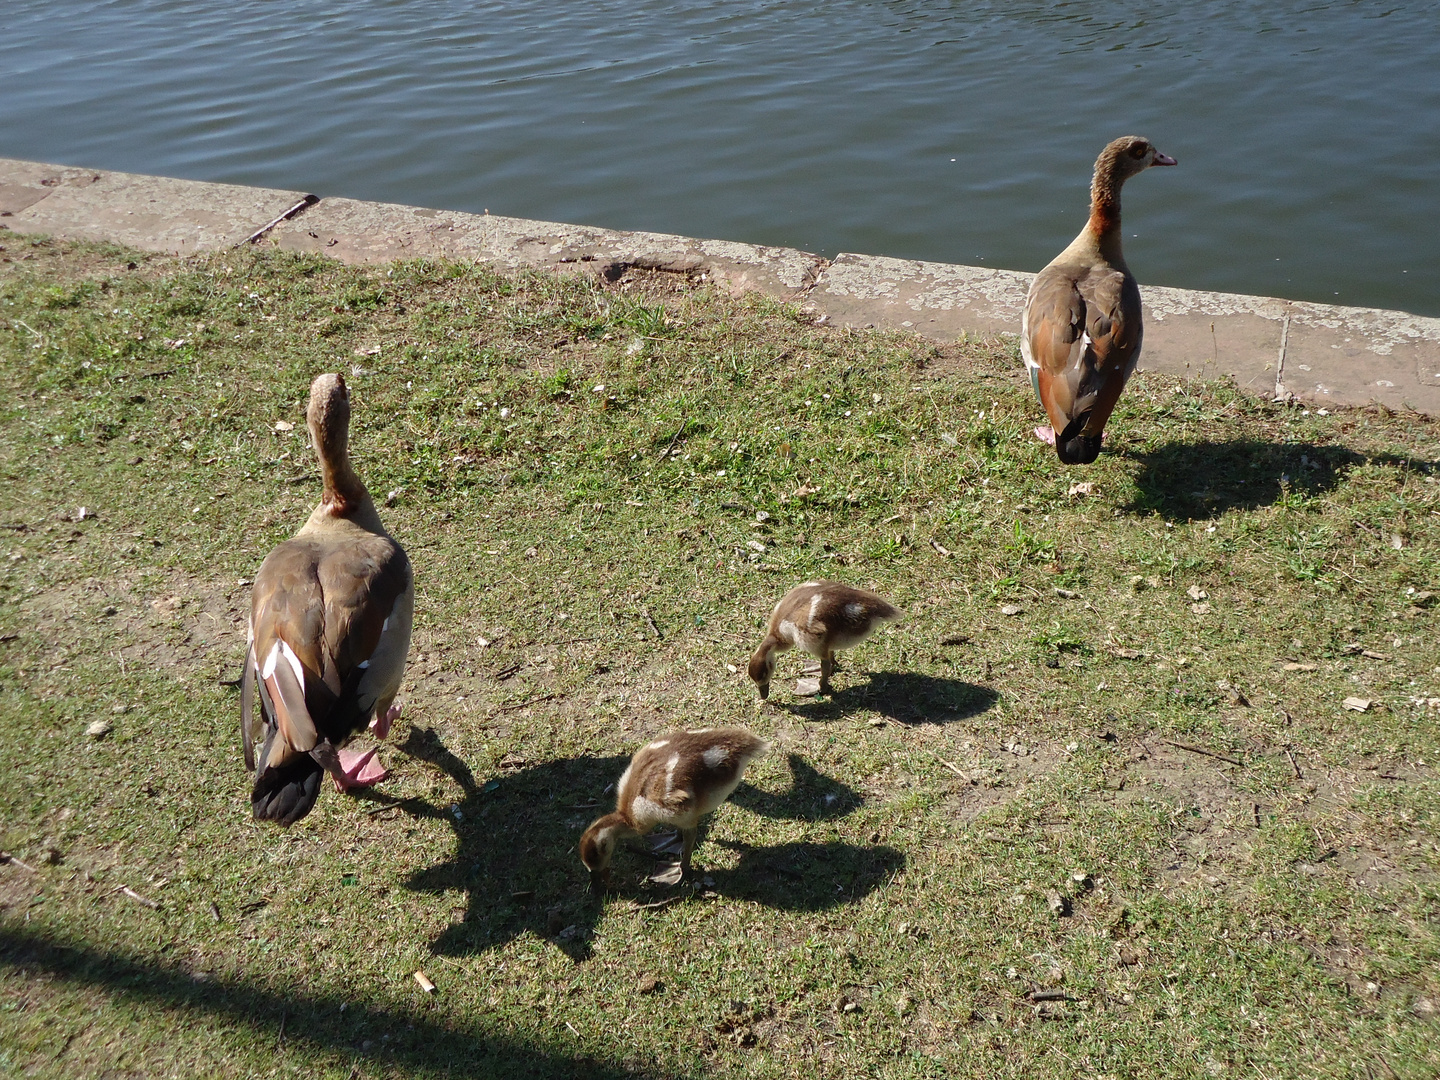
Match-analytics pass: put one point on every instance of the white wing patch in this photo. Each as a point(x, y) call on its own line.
point(670, 772)
point(658, 744)
point(814, 607)
point(715, 756)
point(278, 651)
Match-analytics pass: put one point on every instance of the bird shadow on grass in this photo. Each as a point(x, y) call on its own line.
point(813, 796)
point(907, 697)
point(515, 860)
point(395, 1040)
point(1199, 481)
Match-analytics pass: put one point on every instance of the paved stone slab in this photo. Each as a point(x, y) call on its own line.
point(153, 213)
point(362, 232)
point(1317, 353)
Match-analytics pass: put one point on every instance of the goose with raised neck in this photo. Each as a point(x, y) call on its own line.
point(1081, 330)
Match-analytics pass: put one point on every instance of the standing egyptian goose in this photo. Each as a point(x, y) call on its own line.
point(675, 780)
point(819, 617)
point(329, 632)
point(1080, 333)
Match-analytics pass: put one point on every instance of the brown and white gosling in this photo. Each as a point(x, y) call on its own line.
point(819, 617)
point(675, 780)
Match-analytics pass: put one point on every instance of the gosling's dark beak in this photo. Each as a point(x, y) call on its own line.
point(599, 881)
point(764, 689)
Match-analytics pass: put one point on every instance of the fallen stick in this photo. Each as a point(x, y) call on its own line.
point(308, 200)
point(133, 895)
point(1207, 753)
point(6, 857)
point(1291, 756)
point(657, 904)
point(673, 440)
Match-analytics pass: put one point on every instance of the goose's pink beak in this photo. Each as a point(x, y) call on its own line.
point(1164, 159)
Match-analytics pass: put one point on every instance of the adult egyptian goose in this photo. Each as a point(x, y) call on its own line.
point(1080, 333)
point(819, 617)
point(329, 632)
point(675, 780)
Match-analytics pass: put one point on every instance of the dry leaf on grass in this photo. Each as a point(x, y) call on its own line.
point(1357, 704)
point(1292, 665)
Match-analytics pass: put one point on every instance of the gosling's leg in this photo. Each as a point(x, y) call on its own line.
point(827, 668)
point(688, 836)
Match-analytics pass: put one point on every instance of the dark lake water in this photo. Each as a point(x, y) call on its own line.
point(1308, 134)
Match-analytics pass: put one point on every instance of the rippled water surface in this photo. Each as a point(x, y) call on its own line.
point(1307, 133)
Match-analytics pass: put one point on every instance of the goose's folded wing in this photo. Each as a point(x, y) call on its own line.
point(1053, 341)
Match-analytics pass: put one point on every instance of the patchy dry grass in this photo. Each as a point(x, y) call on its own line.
point(603, 489)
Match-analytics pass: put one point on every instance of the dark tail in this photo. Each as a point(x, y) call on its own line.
point(1075, 448)
point(286, 794)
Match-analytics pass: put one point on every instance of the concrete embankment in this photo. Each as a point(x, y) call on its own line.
point(1317, 353)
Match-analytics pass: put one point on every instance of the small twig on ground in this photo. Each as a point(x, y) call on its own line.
point(1207, 753)
point(6, 857)
point(280, 1039)
point(1291, 756)
point(651, 620)
point(657, 904)
point(674, 439)
point(953, 768)
point(301, 478)
point(526, 704)
point(392, 805)
point(133, 895)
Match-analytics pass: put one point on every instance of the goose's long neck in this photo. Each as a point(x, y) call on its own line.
point(1104, 223)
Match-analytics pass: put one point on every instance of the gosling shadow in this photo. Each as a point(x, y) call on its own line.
point(813, 796)
point(807, 877)
point(1199, 481)
point(907, 697)
point(515, 867)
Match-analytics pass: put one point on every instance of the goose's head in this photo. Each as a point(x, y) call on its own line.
point(762, 667)
point(597, 847)
point(328, 416)
point(1128, 155)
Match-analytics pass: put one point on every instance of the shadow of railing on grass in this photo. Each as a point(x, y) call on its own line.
point(399, 1039)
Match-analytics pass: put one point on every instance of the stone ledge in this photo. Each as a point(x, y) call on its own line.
point(1316, 353)
point(153, 213)
point(1332, 355)
point(364, 232)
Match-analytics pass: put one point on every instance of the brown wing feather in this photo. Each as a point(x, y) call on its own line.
point(1054, 318)
point(1113, 324)
point(361, 582)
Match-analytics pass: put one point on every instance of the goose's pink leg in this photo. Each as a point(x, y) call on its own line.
point(358, 770)
point(380, 725)
point(1046, 435)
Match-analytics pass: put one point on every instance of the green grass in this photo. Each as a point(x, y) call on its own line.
point(603, 489)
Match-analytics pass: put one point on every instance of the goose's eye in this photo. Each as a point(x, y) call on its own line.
point(1138, 150)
